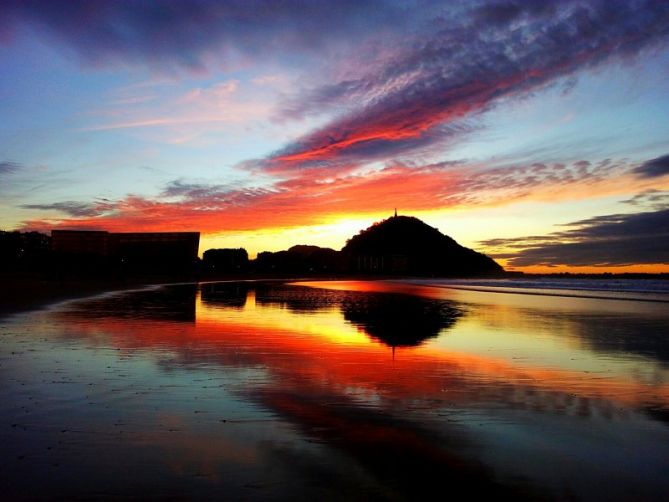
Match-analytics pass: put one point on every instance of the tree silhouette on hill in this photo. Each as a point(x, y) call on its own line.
point(299, 259)
point(225, 260)
point(404, 244)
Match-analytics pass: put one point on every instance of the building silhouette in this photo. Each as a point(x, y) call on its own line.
point(128, 250)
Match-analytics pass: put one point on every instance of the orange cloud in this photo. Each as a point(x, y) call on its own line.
point(317, 196)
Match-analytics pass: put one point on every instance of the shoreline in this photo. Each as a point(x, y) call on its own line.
point(23, 293)
point(26, 292)
point(564, 293)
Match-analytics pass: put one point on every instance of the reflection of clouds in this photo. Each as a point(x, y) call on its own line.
point(289, 345)
point(197, 452)
point(623, 333)
point(399, 454)
point(398, 423)
point(627, 335)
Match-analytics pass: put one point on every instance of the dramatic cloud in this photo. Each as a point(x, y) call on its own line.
point(430, 66)
point(468, 63)
point(612, 240)
point(315, 196)
point(535, 181)
point(654, 168)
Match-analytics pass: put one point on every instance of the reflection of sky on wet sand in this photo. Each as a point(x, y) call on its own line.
point(266, 389)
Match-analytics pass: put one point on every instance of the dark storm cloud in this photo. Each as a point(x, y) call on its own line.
point(654, 168)
point(619, 239)
point(75, 209)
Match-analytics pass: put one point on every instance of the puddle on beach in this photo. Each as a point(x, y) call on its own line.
point(345, 390)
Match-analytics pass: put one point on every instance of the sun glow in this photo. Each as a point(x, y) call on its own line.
point(332, 234)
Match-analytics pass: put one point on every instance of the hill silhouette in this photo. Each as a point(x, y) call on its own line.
point(404, 244)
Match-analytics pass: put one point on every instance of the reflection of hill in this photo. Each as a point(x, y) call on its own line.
point(399, 320)
point(403, 458)
point(394, 319)
point(224, 294)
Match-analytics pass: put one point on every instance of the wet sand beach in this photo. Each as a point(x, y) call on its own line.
point(341, 390)
point(20, 294)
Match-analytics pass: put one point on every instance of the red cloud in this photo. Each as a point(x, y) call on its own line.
point(465, 67)
point(296, 202)
point(312, 197)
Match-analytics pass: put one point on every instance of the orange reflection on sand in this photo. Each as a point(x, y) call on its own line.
point(328, 325)
point(339, 360)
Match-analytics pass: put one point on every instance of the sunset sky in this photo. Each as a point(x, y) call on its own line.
point(537, 132)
